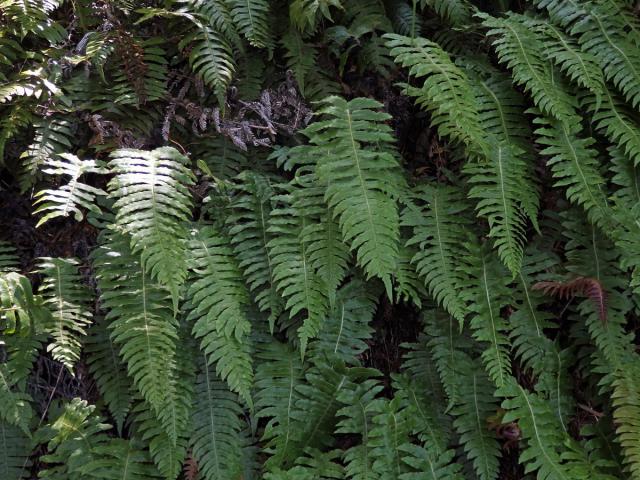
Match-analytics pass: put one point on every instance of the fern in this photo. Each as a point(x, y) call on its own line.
point(439, 228)
point(109, 372)
point(142, 327)
point(220, 308)
point(445, 93)
point(15, 448)
point(152, 204)
point(52, 136)
point(68, 199)
point(304, 13)
point(301, 57)
point(456, 12)
point(8, 258)
point(299, 285)
point(251, 18)
point(359, 170)
point(216, 439)
point(68, 301)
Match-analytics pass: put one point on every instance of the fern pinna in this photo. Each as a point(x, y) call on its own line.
point(319, 239)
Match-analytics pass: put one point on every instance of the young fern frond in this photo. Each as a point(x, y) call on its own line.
point(68, 199)
point(152, 204)
point(357, 162)
point(68, 299)
point(220, 306)
point(439, 225)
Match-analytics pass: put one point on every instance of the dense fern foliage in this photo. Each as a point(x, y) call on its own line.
point(319, 239)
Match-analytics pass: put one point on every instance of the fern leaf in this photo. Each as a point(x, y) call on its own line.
point(445, 93)
point(251, 17)
point(438, 230)
point(390, 432)
point(488, 294)
point(142, 327)
point(210, 57)
point(15, 449)
point(152, 204)
point(574, 166)
point(109, 372)
point(8, 259)
point(300, 286)
point(518, 48)
point(248, 228)
point(428, 466)
point(360, 171)
point(121, 459)
point(499, 188)
point(301, 57)
point(617, 122)
point(68, 301)
point(456, 12)
point(53, 135)
point(304, 13)
point(356, 418)
point(68, 199)
point(215, 441)
point(220, 303)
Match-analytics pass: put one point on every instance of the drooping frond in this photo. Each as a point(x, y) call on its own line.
point(360, 170)
point(109, 372)
point(248, 227)
point(300, 286)
point(445, 93)
point(439, 220)
point(220, 306)
point(68, 198)
point(68, 299)
point(152, 204)
point(519, 49)
point(142, 327)
point(487, 294)
point(252, 19)
point(215, 442)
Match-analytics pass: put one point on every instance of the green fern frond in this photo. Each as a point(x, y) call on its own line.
point(536, 423)
point(278, 376)
point(304, 13)
point(574, 165)
point(9, 261)
point(522, 52)
point(487, 294)
point(143, 327)
point(219, 310)
point(53, 136)
point(357, 162)
point(210, 57)
point(439, 227)
point(68, 199)
point(121, 459)
point(301, 56)
point(617, 122)
point(501, 188)
point(68, 299)
point(109, 373)
point(216, 441)
point(71, 439)
point(15, 449)
point(445, 93)
point(248, 229)
point(356, 418)
point(251, 18)
point(389, 433)
point(347, 327)
point(457, 12)
point(152, 204)
point(428, 466)
point(580, 66)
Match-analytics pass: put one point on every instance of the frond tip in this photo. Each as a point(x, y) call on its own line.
point(580, 286)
